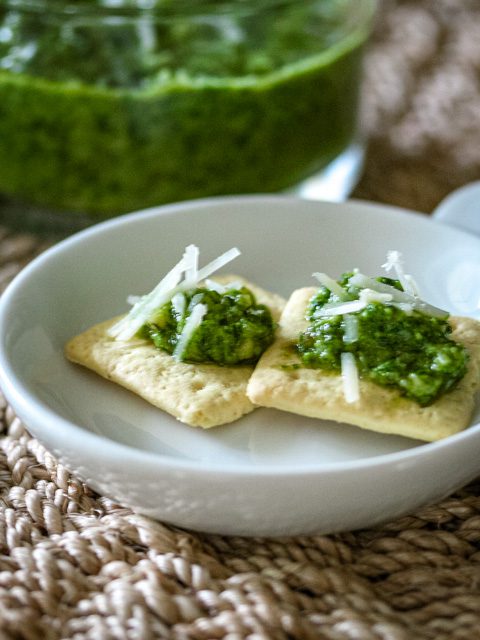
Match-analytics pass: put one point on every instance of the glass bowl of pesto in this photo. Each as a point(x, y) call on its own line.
point(111, 106)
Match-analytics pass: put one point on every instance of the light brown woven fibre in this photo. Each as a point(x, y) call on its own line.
point(75, 565)
point(422, 102)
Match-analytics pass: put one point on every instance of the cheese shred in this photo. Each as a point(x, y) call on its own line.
point(184, 276)
point(331, 284)
point(395, 262)
point(350, 378)
point(351, 328)
point(193, 322)
point(371, 291)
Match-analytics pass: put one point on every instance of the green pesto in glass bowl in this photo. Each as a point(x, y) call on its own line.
point(111, 106)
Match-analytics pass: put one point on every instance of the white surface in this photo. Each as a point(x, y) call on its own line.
point(270, 473)
point(461, 208)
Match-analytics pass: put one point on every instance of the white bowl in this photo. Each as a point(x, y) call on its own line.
point(271, 473)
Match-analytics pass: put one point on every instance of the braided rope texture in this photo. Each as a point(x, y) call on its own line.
point(75, 565)
point(422, 102)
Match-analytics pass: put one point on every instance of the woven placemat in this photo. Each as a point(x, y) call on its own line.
point(422, 102)
point(74, 564)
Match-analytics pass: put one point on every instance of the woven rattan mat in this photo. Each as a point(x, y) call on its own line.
point(74, 564)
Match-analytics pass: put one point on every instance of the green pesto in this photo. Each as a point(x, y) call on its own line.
point(103, 121)
point(412, 353)
point(235, 329)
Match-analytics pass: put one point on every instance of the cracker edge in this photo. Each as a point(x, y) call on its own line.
point(95, 350)
point(315, 394)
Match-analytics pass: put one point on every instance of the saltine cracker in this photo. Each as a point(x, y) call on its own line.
point(200, 395)
point(279, 381)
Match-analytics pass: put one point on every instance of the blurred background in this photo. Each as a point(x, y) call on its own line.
point(104, 111)
point(421, 102)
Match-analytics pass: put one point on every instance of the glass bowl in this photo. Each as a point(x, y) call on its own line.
point(107, 106)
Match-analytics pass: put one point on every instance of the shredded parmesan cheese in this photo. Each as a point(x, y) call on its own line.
point(128, 326)
point(331, 284)
point(216, 264)
point(412, 285)
point(350, 378)
point(215, 286)
point(351, 329)
point(179, 304)
point(191, 261)
point(222, 288)
point(374, 291)
point(395, 262)
point(360, 280)
point(172, 283)
point(369, 295)
point(365, 297)
point(333, 309)
point(193, 322)
point(404, 306)
point(364, 282)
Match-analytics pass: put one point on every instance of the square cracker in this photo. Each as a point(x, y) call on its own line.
point(203, 395)
point(280, 383)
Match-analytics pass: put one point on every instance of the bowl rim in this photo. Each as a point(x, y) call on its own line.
point(30, 409)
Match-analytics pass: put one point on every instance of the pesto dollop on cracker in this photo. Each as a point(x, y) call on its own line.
point(371, 353)
point(189, 346)
point(393, 343)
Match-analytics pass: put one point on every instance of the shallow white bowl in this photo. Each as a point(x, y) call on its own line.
point(271, 473)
